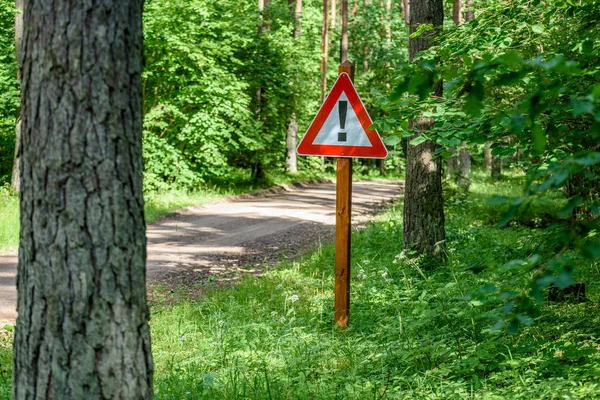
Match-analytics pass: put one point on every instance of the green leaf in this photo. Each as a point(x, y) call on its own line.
point(392, 140)
point(587, 47)
point(591, 249)
point(418, 140)
point(537, 28)
point(539, 139)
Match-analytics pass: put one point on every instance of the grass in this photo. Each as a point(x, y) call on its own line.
point(417, 332)
point(9, 221)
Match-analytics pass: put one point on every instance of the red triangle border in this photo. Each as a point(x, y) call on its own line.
point(307, 148)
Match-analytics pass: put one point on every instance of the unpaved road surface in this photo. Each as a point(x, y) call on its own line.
point(224, 239)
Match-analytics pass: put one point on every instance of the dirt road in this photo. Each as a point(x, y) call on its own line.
point(219, 240)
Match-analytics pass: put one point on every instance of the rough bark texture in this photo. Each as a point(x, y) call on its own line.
point(424, 229)
point(82, 330)
point(15, 182)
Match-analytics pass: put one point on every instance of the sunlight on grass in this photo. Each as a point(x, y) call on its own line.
point(9, 222)
point(412, 333)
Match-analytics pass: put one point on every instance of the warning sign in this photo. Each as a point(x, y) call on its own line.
point(341, 127)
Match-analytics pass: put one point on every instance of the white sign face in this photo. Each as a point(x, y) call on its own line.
point(342, 127)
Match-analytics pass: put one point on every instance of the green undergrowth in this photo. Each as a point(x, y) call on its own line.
point(415, 332)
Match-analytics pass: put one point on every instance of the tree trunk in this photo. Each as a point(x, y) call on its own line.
point(291, 143)
point(291, 140)
point(405, 4)
point(15, 182)
point(333, 14)
point(297, 16)
point(457, 12)
point(366, 46)
point(344, 41)
point(324, 49)
point(470, 10)
point(452, 164)
point(496, 167)
point(82, 330)
point(424, 229)
point(464, 164)
point(487, 156)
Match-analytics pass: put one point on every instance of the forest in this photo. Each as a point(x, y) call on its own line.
point(481, 280)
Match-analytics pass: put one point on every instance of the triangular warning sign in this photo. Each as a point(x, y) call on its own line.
point(341, 127)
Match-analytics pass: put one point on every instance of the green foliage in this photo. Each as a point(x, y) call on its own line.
point(523, 75)
point(201, 80)
point(6, 337)
point(9, 94)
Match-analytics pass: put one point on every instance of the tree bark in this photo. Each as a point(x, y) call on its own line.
point(424, 230)
point(15, 182)
point(82, 330)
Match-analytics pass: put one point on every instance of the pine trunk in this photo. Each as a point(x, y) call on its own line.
point(291, 139)
point(82, 330)
point(424, 229)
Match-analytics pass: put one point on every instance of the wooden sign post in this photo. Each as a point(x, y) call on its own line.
point(343, 228)
point(342, 129)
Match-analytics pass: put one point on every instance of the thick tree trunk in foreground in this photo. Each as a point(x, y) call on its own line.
point(424, 229)
point(15, 182)
point(82, 330)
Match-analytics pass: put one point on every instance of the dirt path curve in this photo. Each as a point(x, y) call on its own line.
point(221, 239)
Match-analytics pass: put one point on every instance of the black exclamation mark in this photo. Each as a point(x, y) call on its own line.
point(342, 107)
